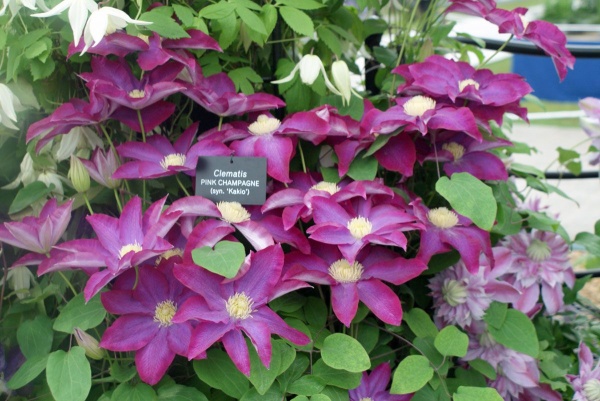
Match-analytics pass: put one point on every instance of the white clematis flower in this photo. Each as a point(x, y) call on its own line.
point(341, 78)
point(9, 105)
point(310, 66)
point(77, 138)
point(104, 21)
point(78, 14)
point(15, 6)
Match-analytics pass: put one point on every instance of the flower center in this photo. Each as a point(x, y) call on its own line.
point(441, 217)
point(418, 105)
point(145, 38)
point(486, 340)
point(233, 212)
point(538, 251)
point(466, 82)
point(264, 125)
point(137, 94)
point(164, 312)
point(591, 389)
point(168, 255)
point(326, 186)
point(135, 247)
point(344, 272)
point(454, 292)
point(239, 306)
point(456, 149)
point(174, 159)
point(366, 399)
point(359, 227)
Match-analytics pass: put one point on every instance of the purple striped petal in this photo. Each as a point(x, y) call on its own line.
point(153, 361)
point(129, 333)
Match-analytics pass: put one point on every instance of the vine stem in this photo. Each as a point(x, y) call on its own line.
point(182, 186)
point(118, 200)
point(496, 52)
point(73, 290)
point(302, 157)
point(87, 203)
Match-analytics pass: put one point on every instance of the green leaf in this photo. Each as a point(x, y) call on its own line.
point(590, 241)
point(518, 333)
point(302, 4)
point(225, 260)
point(420, 323)
point(368, 336)
point(69, 375)
point(229, 30)
point(483, 367)
point(28, 195)
point(185, 14)
point(333, 393)
point(524, 169)
point(566, 155)
point(177, 392)
point(306, 385)
point(218, 371)
point(243, 78)
point(476, 394)
point(469, 197)
point(297, 20)
point(330, 174)
point(218, 10)
point(251, 20)
point(363, 168)
point(320, 397)
point(28, 371)
point(336, 377)
point(78, 313)
point(35, 337)
point(385, 56)
point(341, 351)
point(331, 40)
point(164, 25)
point(379, 143)
point(268, 16)
point(315, 312)
point(273, 394)
point(36, 49)
point(412, 374)
point(137, 392)
point(508, 221)
point(122, 373)
point(495, 315)
point(294, 371)
point(282, 356)
point(451, 342)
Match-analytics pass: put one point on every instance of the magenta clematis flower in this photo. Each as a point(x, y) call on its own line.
point(373, 386)
point(159, 158)
point(146, 323)
point(518, 375)
point(438, 76)
point(461, 153)
point(160, 51)
point(117, 43)
point(591, 107)
point(352, 226)
point(102, 166)
point(75, 113)
point(423, 113)
point(114, 80)
point(358, 280)
point(268, 137)
point(587, 383)
point(217, 94)
point(445, 230)
point(122, 243)
point(225, 310)
point(37, 234)
point(461, 297)
point(232, 213)
point(541, 260)
point(543, 34)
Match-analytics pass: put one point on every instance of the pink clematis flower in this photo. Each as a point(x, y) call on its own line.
point(102, 166)
point(461, 153)
point(543, 34)
point(122, 243)
point(217, 94)
point(359, 280)
point(75, 113)
point(373, 386)
point(541, 263)
point(446, 230)
point(352, 226)
point(146, 323)
point(461, 297)
point(117, 43)
point(586, 384)
point(227, 310)
point(37, 234)
point(157, 157)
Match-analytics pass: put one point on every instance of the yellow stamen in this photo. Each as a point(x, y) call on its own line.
point(456, 149)
point(169, 254)
point(239, 306)
point(164, 312)
point(136, 247)
point(441, 217)
point(137, 94)
point(264, 125)
point(538, 251)
point(359, 227)
point(466, 82)
point(330, 187)
point(344, 272)
point(454, 292)
point(174, 159)
point(418, 105)
point(233, 212)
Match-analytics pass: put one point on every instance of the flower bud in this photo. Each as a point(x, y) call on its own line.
point(341, 79)
point(89, 344)
point(79, 176)
point(20, 279)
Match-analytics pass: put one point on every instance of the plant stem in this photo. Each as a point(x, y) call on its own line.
point(182, 186)
point(302, 157)
point(496, 52)
point(87, 203)
point(73, 290)
point(118, 200)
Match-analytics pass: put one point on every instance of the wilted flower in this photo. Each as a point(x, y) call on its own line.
point(78, 14)
point(310, 66)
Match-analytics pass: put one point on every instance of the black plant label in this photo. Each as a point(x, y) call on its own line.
point(232, 179)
